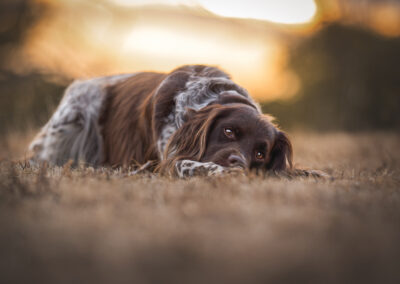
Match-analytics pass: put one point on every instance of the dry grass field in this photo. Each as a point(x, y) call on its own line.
point(85, 225)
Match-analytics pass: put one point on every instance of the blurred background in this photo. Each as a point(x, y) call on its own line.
point(317, 65)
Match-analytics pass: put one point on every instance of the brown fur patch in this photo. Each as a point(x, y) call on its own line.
point(126, 120)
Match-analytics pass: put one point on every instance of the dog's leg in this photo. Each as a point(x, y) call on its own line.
point(63, 136)
point(189, 168)
point(72, 132)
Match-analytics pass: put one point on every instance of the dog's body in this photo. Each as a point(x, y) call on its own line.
point(190, 121)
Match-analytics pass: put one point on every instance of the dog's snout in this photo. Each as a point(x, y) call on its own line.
point(235, 160)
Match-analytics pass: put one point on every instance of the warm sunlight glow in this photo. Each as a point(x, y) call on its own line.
point(161, 48)
point(257, 65)
point(155, 41)
point(279, 11)
point(137, 35)
point(282, 11)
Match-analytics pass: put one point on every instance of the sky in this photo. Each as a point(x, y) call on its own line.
point(248, 39)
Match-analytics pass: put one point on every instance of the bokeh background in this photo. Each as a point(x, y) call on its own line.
point(316, 65)
point(328, 70)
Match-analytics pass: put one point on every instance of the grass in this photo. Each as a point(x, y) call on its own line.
point(85, 225)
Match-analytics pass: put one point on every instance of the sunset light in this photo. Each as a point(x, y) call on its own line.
point(243, 58)
point(283, 11)
point(252, 40)
point(178, 44)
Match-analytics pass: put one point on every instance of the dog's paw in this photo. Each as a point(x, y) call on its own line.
point(218, 170)
point(188, 168)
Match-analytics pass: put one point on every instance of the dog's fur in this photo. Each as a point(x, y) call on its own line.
point(193, 120)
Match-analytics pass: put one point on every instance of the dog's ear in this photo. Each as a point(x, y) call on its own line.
point(165, 94)
point(190, 140)
point(281, 153)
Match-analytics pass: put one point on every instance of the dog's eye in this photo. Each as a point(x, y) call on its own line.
point(229, 133)
point(260, 155)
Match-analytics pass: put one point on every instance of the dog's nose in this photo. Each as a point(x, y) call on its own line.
point(235, 160)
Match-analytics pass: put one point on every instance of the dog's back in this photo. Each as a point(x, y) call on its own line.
point(127, 118)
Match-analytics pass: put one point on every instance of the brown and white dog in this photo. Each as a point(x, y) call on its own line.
point(193, 120)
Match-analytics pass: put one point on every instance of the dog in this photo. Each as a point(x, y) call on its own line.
point(192, 121)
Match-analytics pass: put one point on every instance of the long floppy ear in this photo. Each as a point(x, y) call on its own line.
point(281, 153)
point(190, 141)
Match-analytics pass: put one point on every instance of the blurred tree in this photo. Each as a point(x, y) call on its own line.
point(350, 80)
point(25, 100)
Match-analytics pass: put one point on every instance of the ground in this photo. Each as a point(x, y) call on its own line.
point(62, 225)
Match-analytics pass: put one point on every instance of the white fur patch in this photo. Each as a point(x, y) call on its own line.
point(73, 132)
point(188, 168)
point(200, 92)
point(168, 130)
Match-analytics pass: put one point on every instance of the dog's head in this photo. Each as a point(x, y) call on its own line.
point(234, 135)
